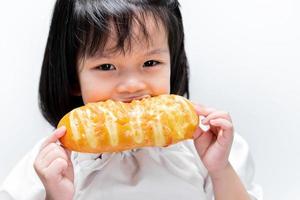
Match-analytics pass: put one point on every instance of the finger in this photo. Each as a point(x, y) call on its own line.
point(222, 123)
point(48, 148)
point(54, 137)
point(216, 114)
point(202, 110)
point(52, 155)
point(202, 141)
point(225, 133)
point(68, 153)
point(55, 170)
point(39, 160)
point(198, 133)
point(69, 173)
point(201, 125)
point(51, 147)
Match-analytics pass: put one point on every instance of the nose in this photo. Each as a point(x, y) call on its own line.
point(131, 84)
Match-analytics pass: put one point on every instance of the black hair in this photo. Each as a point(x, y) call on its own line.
point(82, 27)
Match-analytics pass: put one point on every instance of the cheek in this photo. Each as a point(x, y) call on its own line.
point(94, 90)
point(162, 83)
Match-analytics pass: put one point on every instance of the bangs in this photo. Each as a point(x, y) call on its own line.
point(97, 21)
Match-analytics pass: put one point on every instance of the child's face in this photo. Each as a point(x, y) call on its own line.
point(141, 72)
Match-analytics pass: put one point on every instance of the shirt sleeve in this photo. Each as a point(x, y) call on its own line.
point(241, 160)
point(22, 183)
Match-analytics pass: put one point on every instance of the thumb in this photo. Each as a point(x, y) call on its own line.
point(58, 133)
point(202, 141)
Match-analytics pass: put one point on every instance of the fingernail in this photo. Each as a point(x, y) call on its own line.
point(201, 117)
point(203, 125)
point(62, 128)
point(204, 121)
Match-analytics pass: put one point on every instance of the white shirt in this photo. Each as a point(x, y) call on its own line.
point(174, 172)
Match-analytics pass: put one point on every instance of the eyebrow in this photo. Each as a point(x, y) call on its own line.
point(157, 51)
point(151, 52)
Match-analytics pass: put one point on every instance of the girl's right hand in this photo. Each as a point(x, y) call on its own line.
point(54, 167)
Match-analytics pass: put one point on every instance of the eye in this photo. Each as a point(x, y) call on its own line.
point(106, 67)
point(151, 63)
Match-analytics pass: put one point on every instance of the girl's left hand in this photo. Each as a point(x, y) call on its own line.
point(213, 145)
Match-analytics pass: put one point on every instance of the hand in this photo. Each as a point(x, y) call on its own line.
point(213, 145)
point(54, 167)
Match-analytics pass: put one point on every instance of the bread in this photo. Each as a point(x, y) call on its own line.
point(113, 126)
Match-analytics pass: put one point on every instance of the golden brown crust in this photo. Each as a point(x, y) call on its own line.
point(116, 126)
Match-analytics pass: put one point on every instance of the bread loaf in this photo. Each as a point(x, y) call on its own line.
point(113, 126)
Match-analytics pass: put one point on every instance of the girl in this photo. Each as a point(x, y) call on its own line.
point(125, 50)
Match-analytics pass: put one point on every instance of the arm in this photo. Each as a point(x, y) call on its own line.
point(227, 185)
point(213, 147)
point(55, 169)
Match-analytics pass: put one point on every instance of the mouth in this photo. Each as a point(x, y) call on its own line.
point(130, 99)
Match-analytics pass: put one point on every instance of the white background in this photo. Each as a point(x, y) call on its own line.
point(244, 57)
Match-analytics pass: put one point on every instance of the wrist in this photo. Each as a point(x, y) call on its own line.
point(220, 173)
point(49, 196)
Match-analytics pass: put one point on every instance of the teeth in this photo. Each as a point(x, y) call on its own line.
point(135, 98)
